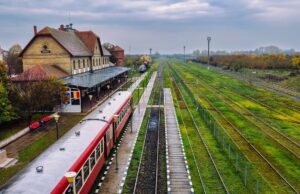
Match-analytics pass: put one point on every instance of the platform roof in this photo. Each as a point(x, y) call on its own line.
point(89, 79)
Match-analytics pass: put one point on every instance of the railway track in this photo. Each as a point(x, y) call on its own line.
point(148, 170)
point(219, 182)
point(251, 152)
point(284, 141)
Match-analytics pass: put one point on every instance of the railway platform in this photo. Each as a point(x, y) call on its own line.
point(114, 179)
point(178, 177)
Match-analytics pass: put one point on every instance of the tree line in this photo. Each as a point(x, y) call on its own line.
point(273, 61)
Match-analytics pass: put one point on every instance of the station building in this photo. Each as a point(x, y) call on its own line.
point(76, 57)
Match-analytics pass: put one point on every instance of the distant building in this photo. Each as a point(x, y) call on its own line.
point(66, 49)
point(118, 52)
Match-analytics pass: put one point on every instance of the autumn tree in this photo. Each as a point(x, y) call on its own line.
point(32, 96)
point(6, 109)
point(14, 61)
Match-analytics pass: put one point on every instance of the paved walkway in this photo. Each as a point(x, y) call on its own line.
point(179, 180)
point(115, 179)
point(137, 82)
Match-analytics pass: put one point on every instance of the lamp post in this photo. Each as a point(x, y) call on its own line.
point(90, 98)
point(208, 46)
point(119, 81)
point(98, 92)
point(116, 118)
point(70, 176)
point(56, 118)
point(150, 51)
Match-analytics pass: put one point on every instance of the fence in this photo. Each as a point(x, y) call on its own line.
point(243, 167)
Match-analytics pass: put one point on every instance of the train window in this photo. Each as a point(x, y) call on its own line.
point(102, 146)
point(69, 190)
point(98, 151)
point(92, 160)
point(78, 181)
point(86, 170)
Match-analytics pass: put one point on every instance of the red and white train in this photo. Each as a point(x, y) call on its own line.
point(83, 150)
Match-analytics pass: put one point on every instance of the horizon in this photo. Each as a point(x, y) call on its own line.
point(165, 26)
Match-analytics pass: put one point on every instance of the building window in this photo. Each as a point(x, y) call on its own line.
point(79, 64)
point(83, 63)
point(74, 64)
point(93, 62)
point(99, 61)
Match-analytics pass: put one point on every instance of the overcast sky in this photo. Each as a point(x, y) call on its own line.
point(164, 25)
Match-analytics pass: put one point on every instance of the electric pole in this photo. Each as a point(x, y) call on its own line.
point(208, 45)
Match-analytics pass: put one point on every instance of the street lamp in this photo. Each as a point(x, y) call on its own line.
point(98, 91)
point(56, 118)
point(116, 118)
point(208, 46)
point(70, 176)
point(90, 98)
point(119, 81)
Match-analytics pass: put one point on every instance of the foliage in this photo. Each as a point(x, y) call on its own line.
point(14, 61)
point(6, 110)
point(36, 96)
point(272, 61)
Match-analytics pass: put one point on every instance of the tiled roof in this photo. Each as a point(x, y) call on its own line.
point(105, 51)
point(41, 72)
point(89, 38)
point(71, 42)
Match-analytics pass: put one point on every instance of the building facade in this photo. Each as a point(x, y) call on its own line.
point(66, 49)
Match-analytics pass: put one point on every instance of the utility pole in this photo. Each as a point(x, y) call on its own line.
point(208, 45)
point(184, 53)
point(150, 51)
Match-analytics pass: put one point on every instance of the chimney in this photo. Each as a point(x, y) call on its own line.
point(62, 27)
point(34, 29)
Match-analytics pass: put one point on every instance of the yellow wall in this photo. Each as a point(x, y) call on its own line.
point(58, 56)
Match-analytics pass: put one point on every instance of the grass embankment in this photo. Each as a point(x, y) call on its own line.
point(15, 126)
point(30, 151)
point(133, 167)
point(279, 157)
point(197, 156)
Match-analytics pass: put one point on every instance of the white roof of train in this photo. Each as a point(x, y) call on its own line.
point(55, 162)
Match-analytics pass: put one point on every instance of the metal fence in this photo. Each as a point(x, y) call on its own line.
point(243, 167)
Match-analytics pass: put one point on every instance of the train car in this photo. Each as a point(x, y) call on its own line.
point(82, 152)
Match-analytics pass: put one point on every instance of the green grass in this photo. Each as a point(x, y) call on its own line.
point(279, 157)
point(15, 126)
point(133, 167)
point(31, 151)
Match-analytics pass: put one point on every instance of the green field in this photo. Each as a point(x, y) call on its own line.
point(260, 127)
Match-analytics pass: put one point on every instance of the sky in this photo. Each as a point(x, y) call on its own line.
point(163, 25)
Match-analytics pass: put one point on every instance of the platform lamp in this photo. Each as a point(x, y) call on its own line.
point(119, 81)
point(98, 91)
point(56, 118)
point(116, 118)
point(90, 98)
point(70, 176)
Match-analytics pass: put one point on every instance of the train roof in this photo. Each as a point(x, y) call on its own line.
point(56, 162)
